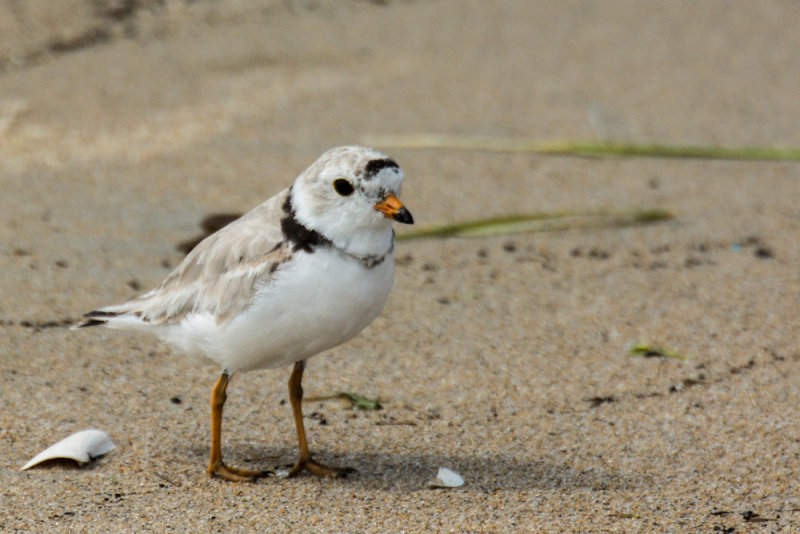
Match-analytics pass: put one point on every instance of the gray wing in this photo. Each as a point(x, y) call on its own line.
point(219, 276)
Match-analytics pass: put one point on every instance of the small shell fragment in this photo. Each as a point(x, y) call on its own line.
point(446, 478)
point(83, 447)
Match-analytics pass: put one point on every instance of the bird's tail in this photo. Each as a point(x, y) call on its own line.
point(95, 318)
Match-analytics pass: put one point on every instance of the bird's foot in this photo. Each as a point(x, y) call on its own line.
point(235, 474)
point(319, 469)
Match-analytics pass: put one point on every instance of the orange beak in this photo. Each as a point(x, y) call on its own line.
point(392, 208)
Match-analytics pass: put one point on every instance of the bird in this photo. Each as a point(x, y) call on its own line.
point(299, 274)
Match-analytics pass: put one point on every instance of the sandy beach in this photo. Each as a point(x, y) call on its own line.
point(505, 358)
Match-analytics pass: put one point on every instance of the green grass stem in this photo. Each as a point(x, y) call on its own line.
point(540, 222)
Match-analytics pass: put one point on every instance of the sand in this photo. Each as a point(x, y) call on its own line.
point(503, 358)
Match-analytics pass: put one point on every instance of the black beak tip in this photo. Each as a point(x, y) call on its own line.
point(403, 216)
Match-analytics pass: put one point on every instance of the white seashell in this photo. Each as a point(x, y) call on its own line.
point(446, 478)
point(82, 447)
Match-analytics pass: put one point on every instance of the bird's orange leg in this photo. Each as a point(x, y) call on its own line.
point(216, 467)
point(305, 461)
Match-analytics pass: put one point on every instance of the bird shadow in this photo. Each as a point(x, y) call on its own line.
point(409, 472)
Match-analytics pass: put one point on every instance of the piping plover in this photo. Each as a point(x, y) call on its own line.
point(303, 272)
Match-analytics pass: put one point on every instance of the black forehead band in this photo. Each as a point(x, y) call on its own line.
point(377, 165)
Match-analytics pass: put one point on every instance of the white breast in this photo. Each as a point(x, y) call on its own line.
point(316, 302)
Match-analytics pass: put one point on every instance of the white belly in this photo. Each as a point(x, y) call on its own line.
point(316, 302)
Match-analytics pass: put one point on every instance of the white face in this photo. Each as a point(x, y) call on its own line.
point(337, 195)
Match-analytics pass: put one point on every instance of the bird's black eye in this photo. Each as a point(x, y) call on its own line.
point(343, 187)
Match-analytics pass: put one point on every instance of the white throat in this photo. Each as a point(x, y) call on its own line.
point(358, 241)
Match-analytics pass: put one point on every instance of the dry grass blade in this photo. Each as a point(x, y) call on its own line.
point(567, 148)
